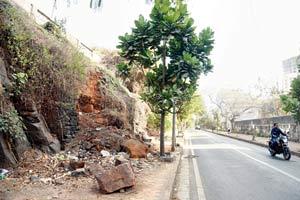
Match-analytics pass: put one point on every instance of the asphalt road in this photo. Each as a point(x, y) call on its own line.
point(236, 170)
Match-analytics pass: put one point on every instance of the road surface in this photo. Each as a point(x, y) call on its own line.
point(226, 169)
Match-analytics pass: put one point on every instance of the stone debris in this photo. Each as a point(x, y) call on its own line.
point(146, 138)
point(34, 178)
point(87, 156)
point(135, 148)
point(78, 172)
point(120, 159)
point(167, 158)
point(117, 178)
point(76, 164)
point(105, 153)
point(150, 156)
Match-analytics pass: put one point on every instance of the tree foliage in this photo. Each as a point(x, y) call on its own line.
point(168, 35)
point(170, 53)
point(193, 108)
point(291, 101)
point(267, 99)
point(232, 104)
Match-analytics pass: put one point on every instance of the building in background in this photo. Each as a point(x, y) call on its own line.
point(290, 71)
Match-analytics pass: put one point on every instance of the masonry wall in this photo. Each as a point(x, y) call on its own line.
point(263, 126)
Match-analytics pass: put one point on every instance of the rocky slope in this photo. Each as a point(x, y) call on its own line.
point(52, 98)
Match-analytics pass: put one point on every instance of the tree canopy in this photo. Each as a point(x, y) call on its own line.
point(169, 52)
point(291, 101)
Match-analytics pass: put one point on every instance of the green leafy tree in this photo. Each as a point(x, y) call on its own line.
point(194, 107)
point(291, 101)
point(170, 53)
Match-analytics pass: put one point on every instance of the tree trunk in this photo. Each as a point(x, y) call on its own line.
point(162, 117)
point(162, 133)
point(231, 124)
point(164, 57)
point(173, 128)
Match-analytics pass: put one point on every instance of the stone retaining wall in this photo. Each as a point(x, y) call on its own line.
point(263, 126)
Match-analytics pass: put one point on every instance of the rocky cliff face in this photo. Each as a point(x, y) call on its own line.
point(103, 101)
point(47, 94)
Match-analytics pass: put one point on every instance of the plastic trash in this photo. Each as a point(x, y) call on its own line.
point(3, 173)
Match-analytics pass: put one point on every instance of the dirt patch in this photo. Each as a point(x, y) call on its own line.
point(86, 187)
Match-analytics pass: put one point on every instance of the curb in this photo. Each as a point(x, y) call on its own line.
point(174, 175)
point(252, 142)
point(173, 192)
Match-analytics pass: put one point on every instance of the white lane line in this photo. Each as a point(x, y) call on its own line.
point(270, 166)
point(214, 146)
point(199, 185)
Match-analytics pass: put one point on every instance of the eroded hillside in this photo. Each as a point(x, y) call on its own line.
point(52, 96)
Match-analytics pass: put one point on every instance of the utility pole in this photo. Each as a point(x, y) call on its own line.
point(174, 126)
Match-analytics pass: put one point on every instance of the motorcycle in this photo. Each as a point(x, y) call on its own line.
point(281, 147)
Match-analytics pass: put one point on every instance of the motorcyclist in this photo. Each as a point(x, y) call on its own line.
point(275, 133)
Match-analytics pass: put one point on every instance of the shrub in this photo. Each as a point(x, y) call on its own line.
point(11, 123)
point(19, 81)
point(153, 122)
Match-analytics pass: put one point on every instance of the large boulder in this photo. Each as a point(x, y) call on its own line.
point(37, 130)
point(135, 148)
point(117, 178)
point(7, 157)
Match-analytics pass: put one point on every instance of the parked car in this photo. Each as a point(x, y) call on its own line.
point(197, 127)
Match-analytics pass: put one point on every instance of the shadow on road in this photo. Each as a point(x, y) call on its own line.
point(280, 158)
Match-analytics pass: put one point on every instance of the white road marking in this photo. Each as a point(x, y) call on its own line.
point(215, 146)
point(199, 185)
point(270, 166)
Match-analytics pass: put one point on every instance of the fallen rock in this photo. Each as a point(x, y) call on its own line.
point(105, 153)
point(146, 138)
point(78, 172)
point(95, 169)
point(34, 178)
point(76, 164)
point(120, 160)
point(65, 165)
point(135, 148)
point(46, 180)
point(167, 158)
point(150, 157)
point(59, 182)
point(115, 179)
point(125, 155)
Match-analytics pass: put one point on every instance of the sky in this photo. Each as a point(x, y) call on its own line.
point(252, 37)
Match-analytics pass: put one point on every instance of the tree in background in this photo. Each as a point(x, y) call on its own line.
point(267, 99)
point(206, 121)
point(232, 104)
point(171, 55)
point(291, 101)
point(190, 110)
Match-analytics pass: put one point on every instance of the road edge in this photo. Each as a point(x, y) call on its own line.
point(174, 175)
point(199, 184)
point(251, 142)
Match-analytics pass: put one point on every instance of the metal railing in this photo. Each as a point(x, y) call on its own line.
point(41, 18)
